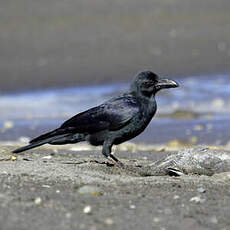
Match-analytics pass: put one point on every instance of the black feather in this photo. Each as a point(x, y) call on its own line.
point(113, 122)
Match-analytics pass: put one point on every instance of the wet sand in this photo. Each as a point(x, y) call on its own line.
point(58, 43)
point(58, 188)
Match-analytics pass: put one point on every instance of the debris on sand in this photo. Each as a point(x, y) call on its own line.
point(201, 190)
point(201, 161)
point(87, 209)
point(38, 200)
point(109, 221)
point(197, 200)
point(89, 189)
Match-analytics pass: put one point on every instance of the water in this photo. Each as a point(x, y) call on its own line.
point(36, 111)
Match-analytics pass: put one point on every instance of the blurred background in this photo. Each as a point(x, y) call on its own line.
point(60, 57)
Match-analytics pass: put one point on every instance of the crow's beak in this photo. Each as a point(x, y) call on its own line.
point(166, 83)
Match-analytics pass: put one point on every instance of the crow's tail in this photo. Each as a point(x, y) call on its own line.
point(30, 146)
point(67, 138)
point(43, 139)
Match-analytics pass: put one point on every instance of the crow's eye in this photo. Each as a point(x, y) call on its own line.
point(147, 84)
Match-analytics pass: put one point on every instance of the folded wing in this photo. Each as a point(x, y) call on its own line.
point(111, 115)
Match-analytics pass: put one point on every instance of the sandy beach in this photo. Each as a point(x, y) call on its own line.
point(56, 188)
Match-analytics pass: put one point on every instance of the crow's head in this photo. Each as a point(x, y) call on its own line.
point(148, 83)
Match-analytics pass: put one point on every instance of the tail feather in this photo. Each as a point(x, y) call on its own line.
point(30, 146)
point(46, 136)
point(55, 137)
point(39, 143)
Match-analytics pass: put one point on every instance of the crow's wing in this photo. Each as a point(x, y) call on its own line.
point(111, 115)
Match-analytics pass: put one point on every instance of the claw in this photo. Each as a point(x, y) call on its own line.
point(116, 161)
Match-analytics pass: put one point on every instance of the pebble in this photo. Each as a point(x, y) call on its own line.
point(87, 209)
point(197, 200)
point(38, 201)
point(88, 189)
point(47, 157)
point(176, 197)
point(109, 221)
point(45, 186)
point(201, 190)
point(13, 158)
point(156, 219)
point(55, 151)
point(132, 206)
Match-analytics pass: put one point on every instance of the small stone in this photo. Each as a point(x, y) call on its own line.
point(13, 158)
point(47, 157)
point(201, 190)
point(156, 219)
point(87, 209)
point(38, 201)
point(132, 206)
point(45, 186)
point(55, 151)
point(176, 197)
point(88, 189)
point(57, 191)
point(109, 221)
point(197, 200)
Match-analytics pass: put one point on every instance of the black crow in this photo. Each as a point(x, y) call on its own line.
point(117, 120)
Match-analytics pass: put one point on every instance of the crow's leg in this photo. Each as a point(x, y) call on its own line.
point(106, 151)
